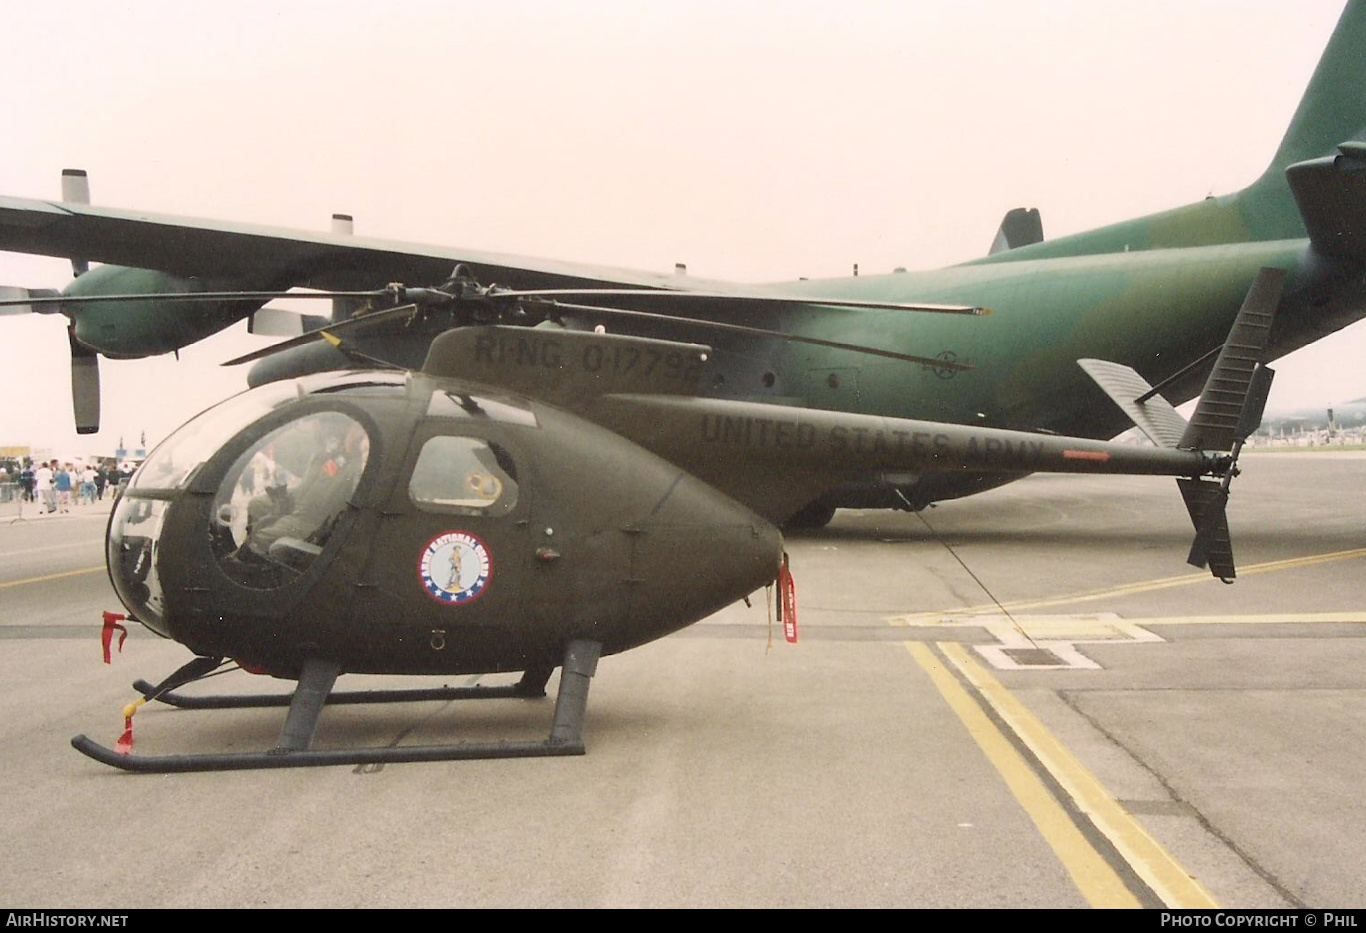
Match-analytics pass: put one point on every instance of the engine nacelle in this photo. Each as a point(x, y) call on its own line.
point(132, 329)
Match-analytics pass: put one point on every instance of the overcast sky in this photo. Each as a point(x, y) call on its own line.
point(753, 141)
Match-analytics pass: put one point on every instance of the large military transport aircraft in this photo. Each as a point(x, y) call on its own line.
point(1156, 294)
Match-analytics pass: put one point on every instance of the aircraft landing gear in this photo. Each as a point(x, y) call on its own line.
point(812, 516)
point(294, 749)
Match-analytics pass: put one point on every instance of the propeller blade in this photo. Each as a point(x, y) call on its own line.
point(351, 324)
point(76, 190)
point(85, 385)
point(278, 322)
point(15, 300)
point(344, 309)
point(75, 186)
point(655, 294)
point(769, 334)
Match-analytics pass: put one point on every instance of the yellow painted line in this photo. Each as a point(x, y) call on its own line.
point(1128, 589)
point(51, 576)
point(1082, 627)
point(1158, 869)
point(1094, 877)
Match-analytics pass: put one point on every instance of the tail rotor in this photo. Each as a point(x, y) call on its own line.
point(1229, 411)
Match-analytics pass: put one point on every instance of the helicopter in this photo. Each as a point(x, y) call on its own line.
point(537, 497)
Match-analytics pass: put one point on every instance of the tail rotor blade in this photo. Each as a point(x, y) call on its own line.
point(1250, 419)
point(1216, 420)
point(1207, 503)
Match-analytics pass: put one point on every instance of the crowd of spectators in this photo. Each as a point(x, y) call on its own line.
point(56, 486)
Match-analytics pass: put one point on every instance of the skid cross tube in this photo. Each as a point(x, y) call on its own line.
point(531, 686)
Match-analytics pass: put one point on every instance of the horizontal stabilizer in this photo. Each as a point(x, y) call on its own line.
point(1206, 501)
point(1331, 196)
point(1229, 391)
point(1155, 417)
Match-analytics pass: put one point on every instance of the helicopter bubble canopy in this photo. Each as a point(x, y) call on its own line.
point(286, 489)
point(176, 458)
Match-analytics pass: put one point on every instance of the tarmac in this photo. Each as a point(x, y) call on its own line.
point(1023, 699)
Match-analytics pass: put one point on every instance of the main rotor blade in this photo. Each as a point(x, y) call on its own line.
point(50, 297)
point(759, 332)
point(358, 322)
point(352, 353)
point(651, 294)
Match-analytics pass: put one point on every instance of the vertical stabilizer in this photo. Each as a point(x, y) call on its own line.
point(1333, 107)
point(1021, 226)
point(1332, 111)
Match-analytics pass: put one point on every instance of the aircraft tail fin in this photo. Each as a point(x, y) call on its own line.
point(1332, 108)
point(1021, 226)
point(1331, 112)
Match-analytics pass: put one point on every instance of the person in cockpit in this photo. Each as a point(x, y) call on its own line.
point(322, 494)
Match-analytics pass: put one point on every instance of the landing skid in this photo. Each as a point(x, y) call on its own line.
point(294, 749)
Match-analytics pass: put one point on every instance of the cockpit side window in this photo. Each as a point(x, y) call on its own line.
point(464, 475)
point(279, 503)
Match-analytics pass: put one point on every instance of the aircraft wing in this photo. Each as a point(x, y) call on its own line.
point(225, 250)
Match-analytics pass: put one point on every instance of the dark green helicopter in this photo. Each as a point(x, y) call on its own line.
point(536, 497)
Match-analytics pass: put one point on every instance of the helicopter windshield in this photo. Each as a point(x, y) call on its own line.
point(132, 546)
point(198, 439)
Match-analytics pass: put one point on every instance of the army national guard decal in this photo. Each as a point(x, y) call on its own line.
point(455, 568)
